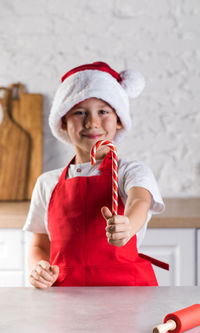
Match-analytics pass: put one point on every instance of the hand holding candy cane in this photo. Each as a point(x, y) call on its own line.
point(118, 229)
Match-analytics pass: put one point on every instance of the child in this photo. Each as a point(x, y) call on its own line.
point(76, 240)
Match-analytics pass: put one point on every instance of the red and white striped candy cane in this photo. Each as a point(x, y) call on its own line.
point(114, 170)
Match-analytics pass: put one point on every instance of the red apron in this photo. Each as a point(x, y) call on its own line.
point(78, 237)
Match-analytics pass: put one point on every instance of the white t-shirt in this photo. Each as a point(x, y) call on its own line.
point(130, 174)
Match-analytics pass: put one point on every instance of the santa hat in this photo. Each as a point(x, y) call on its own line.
point(100, 81)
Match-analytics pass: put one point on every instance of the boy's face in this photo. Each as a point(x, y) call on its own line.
point(90, 121)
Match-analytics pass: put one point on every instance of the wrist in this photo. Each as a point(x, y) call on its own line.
point(137, 215)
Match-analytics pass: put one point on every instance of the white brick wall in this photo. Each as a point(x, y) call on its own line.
point(41, 39)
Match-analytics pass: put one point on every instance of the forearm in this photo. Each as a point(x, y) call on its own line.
point(137, 212)
point(36, 254)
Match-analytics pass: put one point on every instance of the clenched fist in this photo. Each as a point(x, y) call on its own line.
point(43, 275)
point(118, 229)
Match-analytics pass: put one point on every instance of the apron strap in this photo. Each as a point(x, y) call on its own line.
point(155, 262)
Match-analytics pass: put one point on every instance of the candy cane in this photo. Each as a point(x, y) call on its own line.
point(114, 170)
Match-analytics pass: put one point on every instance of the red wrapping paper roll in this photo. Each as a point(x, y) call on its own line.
point(185, 319)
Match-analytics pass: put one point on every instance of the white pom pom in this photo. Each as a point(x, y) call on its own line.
point(133, 82)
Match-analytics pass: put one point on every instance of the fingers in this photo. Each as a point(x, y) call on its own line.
point(43, 275)
point(118, 238)
point(44, 264)
point(118, 235)
point(113, 228)
point(105, 211)
point(55, 271)
point(119, 242)
point(37, 284)
point(118, 219)
point(118, 230)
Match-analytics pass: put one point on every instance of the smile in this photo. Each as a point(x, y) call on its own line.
point(92, 136)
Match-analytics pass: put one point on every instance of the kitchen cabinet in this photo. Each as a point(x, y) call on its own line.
point(14, 245)
point(11, 257)
point(27, 241)
point(177, 247)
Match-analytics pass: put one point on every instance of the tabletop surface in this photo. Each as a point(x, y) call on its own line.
point(91, 309)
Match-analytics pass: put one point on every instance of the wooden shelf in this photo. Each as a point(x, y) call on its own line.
point(179, 213)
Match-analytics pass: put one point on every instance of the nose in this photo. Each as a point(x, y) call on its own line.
point(91, 121)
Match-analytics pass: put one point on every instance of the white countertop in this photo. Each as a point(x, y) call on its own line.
point(91, 309)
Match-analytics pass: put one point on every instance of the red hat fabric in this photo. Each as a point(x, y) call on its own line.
point(101, 66)
point(98, 80)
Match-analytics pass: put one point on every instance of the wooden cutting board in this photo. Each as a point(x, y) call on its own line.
point(14, 154)
point(27, 111)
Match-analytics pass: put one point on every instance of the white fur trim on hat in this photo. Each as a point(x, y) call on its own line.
point(133, 82)
point(87, 84)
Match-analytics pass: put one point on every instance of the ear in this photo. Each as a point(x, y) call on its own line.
point(63, 123)
point(119, 124)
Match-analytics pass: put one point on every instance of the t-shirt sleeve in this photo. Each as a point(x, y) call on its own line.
point(36, 215)
point(138, 174)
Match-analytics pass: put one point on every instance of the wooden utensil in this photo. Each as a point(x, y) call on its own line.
point(14, 154)
point(27, 111)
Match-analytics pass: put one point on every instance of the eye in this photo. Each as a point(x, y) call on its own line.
point(103, 111)
point(79, 113)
